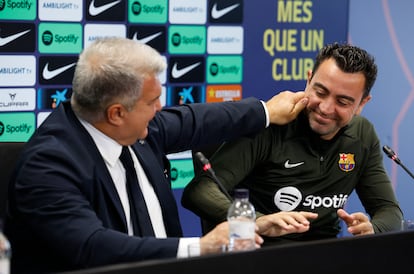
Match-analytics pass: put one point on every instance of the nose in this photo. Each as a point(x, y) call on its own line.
point(158, 105)
point(327, 106)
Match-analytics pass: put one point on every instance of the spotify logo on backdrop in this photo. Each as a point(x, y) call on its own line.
point(47, 38)
point(187, 39)
point(225, 69)
point(214, 69)
point(136, 8)
point(148, 11)
point(176, 39)
point(18, 127)
point(60, 37)
point(18, 9)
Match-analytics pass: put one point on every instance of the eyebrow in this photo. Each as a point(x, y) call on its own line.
point(321, 86)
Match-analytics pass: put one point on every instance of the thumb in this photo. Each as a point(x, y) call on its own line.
point(300, 105)
point(347, 218)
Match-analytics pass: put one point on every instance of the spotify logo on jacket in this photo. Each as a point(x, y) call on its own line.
point(289, 198)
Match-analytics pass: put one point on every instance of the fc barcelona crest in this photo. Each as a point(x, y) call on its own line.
point(346, 162)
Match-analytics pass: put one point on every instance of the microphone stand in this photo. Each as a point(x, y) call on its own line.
point(207, 168)
point(393, 156)
point(406, 169)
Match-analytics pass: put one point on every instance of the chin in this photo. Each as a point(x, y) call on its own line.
point(318, 128)
point(143, 135)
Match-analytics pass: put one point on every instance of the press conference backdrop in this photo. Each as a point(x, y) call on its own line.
point(217, 50)
point(384, 28)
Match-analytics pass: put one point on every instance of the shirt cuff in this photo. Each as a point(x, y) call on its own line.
point(266, 113)
point(182, 251)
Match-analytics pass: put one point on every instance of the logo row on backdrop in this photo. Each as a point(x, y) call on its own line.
point(132, 11)
point(70, 38)
point(202, 41)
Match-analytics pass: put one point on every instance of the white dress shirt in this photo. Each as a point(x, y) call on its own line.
point(110, 151)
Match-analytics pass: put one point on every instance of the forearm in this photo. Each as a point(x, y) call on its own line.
point(204, 198)
point(387, 219)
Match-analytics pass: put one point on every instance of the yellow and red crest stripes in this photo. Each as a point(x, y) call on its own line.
point(346, 162)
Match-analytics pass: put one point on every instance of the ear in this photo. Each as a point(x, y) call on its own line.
point(308, 79)
point(115, 114)
point(362, 104)
point(309, 76)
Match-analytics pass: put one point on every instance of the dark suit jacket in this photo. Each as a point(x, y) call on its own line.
point(64, 211)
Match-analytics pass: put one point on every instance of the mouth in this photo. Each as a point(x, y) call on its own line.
point(322, 119)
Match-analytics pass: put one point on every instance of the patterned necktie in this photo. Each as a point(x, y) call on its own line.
point(140, 219)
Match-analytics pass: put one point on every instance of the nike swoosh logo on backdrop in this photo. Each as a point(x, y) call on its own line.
point(49, 74)
point(94, 10)
point(8, 39)
point(289, 165)
point(177, 73)
point(147, 39)
point(216, 14)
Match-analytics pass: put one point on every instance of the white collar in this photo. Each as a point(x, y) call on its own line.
point(108, 147)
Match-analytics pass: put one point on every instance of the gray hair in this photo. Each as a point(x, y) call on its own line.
point(112, 70)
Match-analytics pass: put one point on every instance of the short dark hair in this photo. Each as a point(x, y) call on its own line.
point(350, 59)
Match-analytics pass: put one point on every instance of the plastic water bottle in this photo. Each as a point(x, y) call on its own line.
point(242, 222)
point(5, 252)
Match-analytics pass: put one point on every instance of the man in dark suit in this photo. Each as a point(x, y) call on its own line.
point(69, 205)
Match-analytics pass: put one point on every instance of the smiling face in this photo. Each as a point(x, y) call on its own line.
point(334, 98)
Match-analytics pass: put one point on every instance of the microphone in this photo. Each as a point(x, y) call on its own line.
point(207, 168)
point(393, 156)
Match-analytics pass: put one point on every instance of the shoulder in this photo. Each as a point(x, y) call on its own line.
point(359, 123)
point(361, 128)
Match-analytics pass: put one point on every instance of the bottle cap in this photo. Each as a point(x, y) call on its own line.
point(240, 193)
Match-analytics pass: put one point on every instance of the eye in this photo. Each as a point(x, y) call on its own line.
point(344, 102)
point(321, 93)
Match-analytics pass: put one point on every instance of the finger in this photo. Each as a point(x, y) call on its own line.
point(303, 217)
point(309, 215)
point(296, 220)
point(258, 239)
point(300, 105)
point(345, 216)
point(299, 220)
point(298, 95)
point(357, 229)
point(361, 217)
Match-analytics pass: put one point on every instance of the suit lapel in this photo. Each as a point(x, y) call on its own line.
point(111, 199)
point(105, 201)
